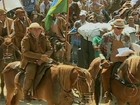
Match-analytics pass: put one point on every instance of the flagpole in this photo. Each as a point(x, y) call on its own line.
point(67, 24)
point(3, 5)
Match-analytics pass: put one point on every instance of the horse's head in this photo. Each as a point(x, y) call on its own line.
point(105, 64)
point(83, 84)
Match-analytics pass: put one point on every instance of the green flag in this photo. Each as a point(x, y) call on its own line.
point(57, 6)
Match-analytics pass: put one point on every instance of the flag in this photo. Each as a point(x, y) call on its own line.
point(57, 6)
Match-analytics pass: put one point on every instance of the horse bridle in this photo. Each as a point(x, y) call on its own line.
point(85, 97)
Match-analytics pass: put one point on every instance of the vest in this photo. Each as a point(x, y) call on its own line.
point(115, 45)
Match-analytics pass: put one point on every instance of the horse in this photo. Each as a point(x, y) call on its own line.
point(124, 84)
point(9, 53)
point(55, 87)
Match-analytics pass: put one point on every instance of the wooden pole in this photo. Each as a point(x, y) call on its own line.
point(3, 5)
point(67, 22)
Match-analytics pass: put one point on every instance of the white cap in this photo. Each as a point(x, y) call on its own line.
point(83, 12)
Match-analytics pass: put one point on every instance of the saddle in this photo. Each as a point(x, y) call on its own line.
point(115, 68)
point(19, 78)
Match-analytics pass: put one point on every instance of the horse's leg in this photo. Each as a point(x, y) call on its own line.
point(9, 84)
point(2, 86)
point(17, 97)
point(2, 65)
point(9, 96)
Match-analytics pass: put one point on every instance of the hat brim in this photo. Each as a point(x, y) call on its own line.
point(118, 26)
point(36, 27)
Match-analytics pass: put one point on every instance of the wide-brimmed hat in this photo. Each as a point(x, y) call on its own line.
point(18, 11)
point(119, 23)
point(2, 12)
point(35, 25)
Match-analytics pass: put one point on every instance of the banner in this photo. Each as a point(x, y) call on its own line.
point(10, 4)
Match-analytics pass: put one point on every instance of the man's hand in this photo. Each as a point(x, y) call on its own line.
point(45, 58)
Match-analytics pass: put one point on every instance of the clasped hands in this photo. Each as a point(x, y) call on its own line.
point(45, 58)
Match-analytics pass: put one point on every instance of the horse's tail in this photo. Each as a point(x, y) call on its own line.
point(97, 89)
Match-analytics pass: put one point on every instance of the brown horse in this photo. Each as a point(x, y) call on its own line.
point(125, 84)
point(8, 53)
point(55, 86)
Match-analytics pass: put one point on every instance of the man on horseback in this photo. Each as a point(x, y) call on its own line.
point(20, 24)
point(36, 50)
point(110, 44)
point(5, 24)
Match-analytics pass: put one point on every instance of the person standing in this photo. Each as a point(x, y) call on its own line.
point(75, 41)
point(135, 27)
point(36, 50)
point(30, 6)
point(86, 49)
point(45, 6)
point(96, 41)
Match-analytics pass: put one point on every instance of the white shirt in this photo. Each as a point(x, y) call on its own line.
point(118, 37)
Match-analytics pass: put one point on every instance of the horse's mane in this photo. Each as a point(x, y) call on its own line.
point(130, 65)
point(64, 76)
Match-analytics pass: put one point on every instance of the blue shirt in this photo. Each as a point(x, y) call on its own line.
point(75, 39)
point(29, 5)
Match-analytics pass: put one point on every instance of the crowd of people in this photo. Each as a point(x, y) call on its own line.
point(32, 40)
